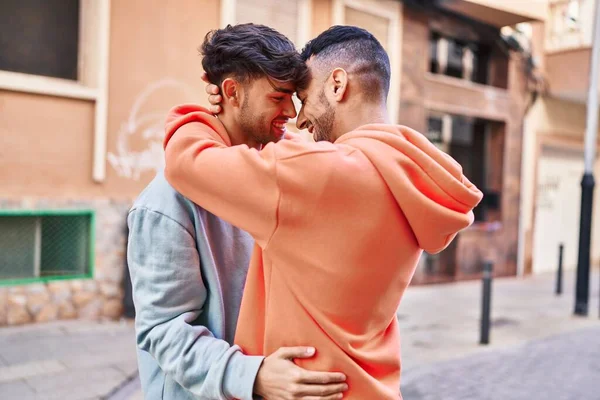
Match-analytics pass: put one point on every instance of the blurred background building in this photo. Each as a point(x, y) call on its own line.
point(553, 140)
point(85, 86)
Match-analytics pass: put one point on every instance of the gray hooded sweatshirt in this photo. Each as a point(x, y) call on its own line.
point(188, 270)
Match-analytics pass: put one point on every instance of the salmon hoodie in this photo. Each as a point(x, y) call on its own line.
point(339, 229)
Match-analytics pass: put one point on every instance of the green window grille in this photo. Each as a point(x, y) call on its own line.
point(45, 245)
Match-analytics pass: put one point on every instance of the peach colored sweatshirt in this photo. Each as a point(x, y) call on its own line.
point(339, 229)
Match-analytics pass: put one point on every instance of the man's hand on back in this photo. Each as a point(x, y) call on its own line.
point(280, 379)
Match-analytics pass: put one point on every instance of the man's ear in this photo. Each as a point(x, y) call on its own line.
point(231, 90)
point(339, 78)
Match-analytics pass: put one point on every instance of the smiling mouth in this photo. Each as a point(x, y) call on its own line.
point(279, 125)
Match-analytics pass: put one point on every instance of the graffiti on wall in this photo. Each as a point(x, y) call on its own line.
point(139, 140)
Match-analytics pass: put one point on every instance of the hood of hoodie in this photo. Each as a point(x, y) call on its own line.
point(428, 184)
point(186, 113)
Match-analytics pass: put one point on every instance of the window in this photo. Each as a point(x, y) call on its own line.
point(59, 48)
point(457, 58)
point(55, 47)
point(45, 245)
point(469, 141)
point(40, 37)
point(435, 127)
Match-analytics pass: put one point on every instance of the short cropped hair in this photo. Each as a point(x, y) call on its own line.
point(356, 49)
point(248, 51)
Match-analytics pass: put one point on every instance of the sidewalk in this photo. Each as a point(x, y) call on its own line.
point(441, 322)
point(79, 360)
point(562, 367)
point(538, 350)
point(71, 360)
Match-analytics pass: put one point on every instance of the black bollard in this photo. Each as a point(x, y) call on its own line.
point(559, 272)
point(486, 303)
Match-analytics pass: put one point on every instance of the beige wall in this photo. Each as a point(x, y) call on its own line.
point(561, 117)
point(322, 16)
point(538, 38)
point(568, 51)
point(568, 73)
point(562, 36)
point(281, 15)
point(554, 132)
point(547, 117)
point(46, 142)
point(556, 124)
point(501, 12)
point(154, 64)
point(45, 145)
point(535, 9)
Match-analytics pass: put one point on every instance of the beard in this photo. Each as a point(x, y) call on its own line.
point(324, 123)
point(254, 126)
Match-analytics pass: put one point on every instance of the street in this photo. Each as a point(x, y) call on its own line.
point(538, 349)
point(563, 367)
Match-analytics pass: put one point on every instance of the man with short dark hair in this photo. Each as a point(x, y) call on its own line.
point(188, 267)
point(344, 52)
point(339, 224)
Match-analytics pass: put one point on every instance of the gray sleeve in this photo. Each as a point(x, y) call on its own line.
point(169, 294)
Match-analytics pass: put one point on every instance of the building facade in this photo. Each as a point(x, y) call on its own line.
point(554, 141)
point(467, 89)
point(83, 98)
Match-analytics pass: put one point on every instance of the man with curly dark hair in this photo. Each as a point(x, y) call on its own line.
point(188, 267)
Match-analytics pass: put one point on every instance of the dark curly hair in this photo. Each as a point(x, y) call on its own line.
point(248, 51)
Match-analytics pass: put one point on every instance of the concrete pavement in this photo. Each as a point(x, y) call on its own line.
point(441, 322)
point(70, 360)
point(562, 367)
point(79, 360)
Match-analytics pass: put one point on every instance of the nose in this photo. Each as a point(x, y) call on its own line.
point(290, 110)
point(301, 122)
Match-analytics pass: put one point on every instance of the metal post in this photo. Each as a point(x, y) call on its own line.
point(559, 273)
point(587, 182)
point(486, 303)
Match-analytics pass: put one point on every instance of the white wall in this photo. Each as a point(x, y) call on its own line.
point(560, 36)
point(587, 21)
point(559, 170)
